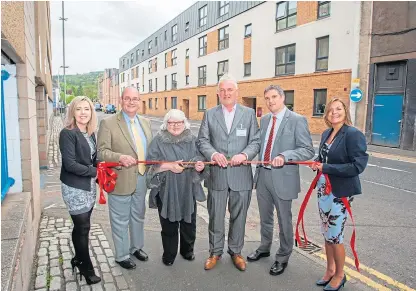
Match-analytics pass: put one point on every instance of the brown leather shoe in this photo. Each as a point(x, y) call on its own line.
point(239, 262)
point(211, 262)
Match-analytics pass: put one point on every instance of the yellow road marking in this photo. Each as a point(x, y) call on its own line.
point(360, 277)
point(381, 276)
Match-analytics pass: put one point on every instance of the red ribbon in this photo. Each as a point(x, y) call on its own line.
point(106, 179)
point(305, 201)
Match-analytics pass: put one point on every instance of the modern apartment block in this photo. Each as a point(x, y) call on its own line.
point(108, 87)
point(308, 48)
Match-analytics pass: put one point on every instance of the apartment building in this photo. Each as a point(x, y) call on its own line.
point(26, 95)
point(108, 87)
point(308, 48)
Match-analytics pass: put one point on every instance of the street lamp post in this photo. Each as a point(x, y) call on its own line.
point(63, 45)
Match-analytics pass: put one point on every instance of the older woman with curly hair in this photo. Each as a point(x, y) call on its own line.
point(175, 186)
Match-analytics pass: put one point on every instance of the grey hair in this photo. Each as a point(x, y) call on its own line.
point(128, 87)
point(278, 89)
point(177, 114)
point(227, 77)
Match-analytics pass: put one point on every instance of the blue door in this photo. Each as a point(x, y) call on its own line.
point(387, 120)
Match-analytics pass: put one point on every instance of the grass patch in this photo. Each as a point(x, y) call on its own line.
point(48, 280)
point(61, 261)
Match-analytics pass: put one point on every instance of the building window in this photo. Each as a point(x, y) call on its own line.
point(137, 55)
point(174, 101)
point(149, 66)
point(223, 37)
point(247, 30)
point(324, 9)
point(174, 57)
point(166, 82)
point(187, 79)
point(186, 26)
point(286, 15)
point(202, 76)
point(149, 48)
point(150, 85)
point(290, 99)
point(203, 15)
point(174, 32)
point(137, 71)
point(124, 63)
point(203, 46)
point(155, 84)
point(166, 60)
point(322, 53)
point(138, 86)
point(142, 53)
point(285, 60)
point(174, 82)
point(156, 41)
point(166, 103)
point(166, 35)
point(202, 102)
point(132, 58)
point(247, 69)
point(155, 64)
point(319, 102)
point(150, 103)
point(224, 7)
point(187, 54)
point(156, 103)
point(222, 69)
point(143, 88)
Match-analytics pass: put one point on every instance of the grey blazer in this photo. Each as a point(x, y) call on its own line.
point(294, 142)
point(213, 137)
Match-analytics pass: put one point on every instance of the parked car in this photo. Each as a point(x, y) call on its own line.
point(98, 107)
point(110, 108)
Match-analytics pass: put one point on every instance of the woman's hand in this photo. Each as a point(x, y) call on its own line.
point(176, 167)
point(199, 166)
point(316, 166)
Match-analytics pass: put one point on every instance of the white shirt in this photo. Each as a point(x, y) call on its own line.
point(228, 116)
point(279, 118)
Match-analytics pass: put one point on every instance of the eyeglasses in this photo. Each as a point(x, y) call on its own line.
point(179, 123)
point(128, 99)
point(229, 90)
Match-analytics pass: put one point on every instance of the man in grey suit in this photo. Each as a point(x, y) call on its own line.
point(229, 135)
point(284, 137)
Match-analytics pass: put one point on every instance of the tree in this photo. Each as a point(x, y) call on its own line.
point(80, 91)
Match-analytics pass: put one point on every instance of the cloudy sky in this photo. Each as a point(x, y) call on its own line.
point(97, 33)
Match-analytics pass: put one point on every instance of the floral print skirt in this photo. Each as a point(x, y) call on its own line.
point(333, 214)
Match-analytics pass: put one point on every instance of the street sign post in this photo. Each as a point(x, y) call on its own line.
point(356, 95)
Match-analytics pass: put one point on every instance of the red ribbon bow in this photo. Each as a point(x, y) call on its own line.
point(106, 179)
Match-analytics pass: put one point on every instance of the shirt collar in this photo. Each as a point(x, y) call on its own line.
point(280, 114)
point(127, 118)
point(226, 110)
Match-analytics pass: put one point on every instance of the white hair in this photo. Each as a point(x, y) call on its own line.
point(176, 114)
point(227, 77)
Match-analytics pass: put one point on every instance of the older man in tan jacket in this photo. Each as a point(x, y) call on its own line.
point(124, 138)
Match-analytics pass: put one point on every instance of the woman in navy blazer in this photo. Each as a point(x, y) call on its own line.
point(342, 156)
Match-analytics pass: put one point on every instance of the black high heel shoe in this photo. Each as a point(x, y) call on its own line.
point(74, 263)
point(88, 274)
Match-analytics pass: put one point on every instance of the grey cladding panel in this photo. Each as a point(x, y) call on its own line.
point(191, 15)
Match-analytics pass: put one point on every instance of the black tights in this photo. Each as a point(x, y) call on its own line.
point(80, 237)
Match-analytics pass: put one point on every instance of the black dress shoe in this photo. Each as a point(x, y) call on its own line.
point(127, 264)
point(167, 262)
point(189, 256)
point(277, 268)
point(256, 255)
point(141, 255)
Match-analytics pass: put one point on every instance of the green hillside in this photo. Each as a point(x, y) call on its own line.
point(80, 85)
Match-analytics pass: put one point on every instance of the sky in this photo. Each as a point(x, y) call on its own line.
point(98, 33)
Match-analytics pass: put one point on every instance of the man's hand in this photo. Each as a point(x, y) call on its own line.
point(278, 161)
point(199, 166)
point(127, 160)
point(238, 159)
point(220, 159)
point(176, 167)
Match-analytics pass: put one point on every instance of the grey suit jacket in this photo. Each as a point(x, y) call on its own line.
point(213, 137)
point(294, 142)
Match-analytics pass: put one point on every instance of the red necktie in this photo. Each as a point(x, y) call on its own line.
point(269, 142)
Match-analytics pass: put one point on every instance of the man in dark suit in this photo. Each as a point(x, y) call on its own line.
point(228, 132)
point(284, 137)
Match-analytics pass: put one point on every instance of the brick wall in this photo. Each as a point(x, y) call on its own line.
point(337, 84)
point(212, 42)
point(169, 56)
point(247, 50)
point(41, 112)
point(186, 67)
point(306, 12)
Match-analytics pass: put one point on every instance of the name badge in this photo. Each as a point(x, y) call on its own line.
point(241, 132)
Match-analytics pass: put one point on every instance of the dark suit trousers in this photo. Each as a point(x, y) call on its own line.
point(170, 235)
point(268, 199)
